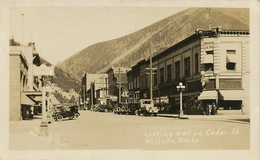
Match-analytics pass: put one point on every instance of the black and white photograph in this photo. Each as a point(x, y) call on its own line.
point(130, 80)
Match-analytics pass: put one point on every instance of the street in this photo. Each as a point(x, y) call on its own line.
point(104, 131)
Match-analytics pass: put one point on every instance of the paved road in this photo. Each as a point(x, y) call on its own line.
point(95, 130)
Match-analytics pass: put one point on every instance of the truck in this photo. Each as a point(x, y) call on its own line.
point(146, 107)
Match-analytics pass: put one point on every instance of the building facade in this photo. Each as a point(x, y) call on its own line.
point(214, 67)
point(91, 86)
point(117, 78)
point(22, 83)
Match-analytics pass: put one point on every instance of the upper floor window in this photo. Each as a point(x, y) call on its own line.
point(162, 75)
point(231, 60)
point(177, 70)
point(169, 73)
point(155, 82)
point(231, 66)
point(208, 67)
point(196, 63)
point(231, 51)
point(209, 52)
point(187, 67)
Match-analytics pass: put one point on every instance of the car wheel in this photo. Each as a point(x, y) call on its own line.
point(76, 116)
point(70, 118)
point(54, 118)
point(137, 113)
point(59, 118)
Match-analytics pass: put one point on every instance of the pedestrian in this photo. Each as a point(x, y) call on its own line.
point(214, 109)
point(210, 109)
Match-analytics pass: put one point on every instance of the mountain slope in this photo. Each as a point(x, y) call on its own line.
point(62, 79)
point(130, 49)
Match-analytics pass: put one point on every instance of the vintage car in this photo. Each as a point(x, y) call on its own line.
point(122, 108)
point(65, 111)
point(146, 108)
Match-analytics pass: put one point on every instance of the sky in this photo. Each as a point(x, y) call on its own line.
point(60, 32)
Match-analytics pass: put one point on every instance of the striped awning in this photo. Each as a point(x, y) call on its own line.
point(231, 58)
point(26, 100)
point(208, 59)
point(208, 95)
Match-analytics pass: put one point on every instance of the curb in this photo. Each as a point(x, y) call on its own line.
point(204, 116)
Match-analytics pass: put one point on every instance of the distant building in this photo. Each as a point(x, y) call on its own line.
point(117, 76)
point(90, 84)
point(213, 65)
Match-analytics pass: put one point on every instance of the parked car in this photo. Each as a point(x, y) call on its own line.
point(146, 108)
point(122, 108)
point(65, 111)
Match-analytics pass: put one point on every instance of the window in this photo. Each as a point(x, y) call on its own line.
point(177, 70)
point(145, 80)
point(169, 73)
point(187, 67)
point(138, 82)
point(162, 75)
point(231, 51)
point(208, 67)
point(209, 52)
point(196, 59)
point(230, 84)
point(231, 60)
point(155, 78)
point(231, 66)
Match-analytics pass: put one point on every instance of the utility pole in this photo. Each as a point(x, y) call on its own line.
point(92, 96)
point(84, 96)
point(119, 86)
point(151, 72)
point(209, 20)
point(22, 29)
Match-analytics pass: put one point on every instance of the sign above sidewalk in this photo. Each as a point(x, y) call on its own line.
point(44, 70)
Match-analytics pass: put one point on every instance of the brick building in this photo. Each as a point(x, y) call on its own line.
point(213, 65)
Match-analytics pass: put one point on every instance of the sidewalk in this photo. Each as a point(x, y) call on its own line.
point(205, 116)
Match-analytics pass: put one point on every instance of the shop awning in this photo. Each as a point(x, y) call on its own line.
point(231, 58)
point(208, 59)
point(33, 93)
point(26, 100)
point(208, 95)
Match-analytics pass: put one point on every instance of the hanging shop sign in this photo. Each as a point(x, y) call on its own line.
point(44, 70)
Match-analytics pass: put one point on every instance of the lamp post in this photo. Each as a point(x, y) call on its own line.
point(180, 88)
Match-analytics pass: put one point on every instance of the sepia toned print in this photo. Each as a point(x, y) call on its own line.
point(177, 82)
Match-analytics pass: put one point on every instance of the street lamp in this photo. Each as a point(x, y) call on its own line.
point(180, 88)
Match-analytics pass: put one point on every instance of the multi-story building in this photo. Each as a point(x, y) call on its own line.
point(213, 65)
point(117, 78)
point(91, 83)
point(23, 86)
